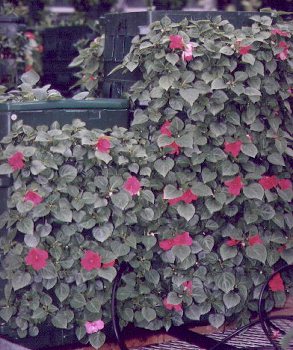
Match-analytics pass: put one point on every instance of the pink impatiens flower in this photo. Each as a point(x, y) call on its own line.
point(16, 161)
point(176, 42)
point(234, 186)
point(232, 242)
point(283, 55)
point(90, 260)
point(94, 327)
point(108, 264)
point(276, 284)
point(268, 182)
point(187, 53)
point(37, 258)
point(165, 129)
point(280, 32)
point(233, 148)
point(187, 197)
point(175, 148)
point(253, 240)
point(180, 240)
point(103, 144)
point(132, 185)
point(187, 286)
point(284, 184)
point(175, 307)
point(34, 197)
point(243, 50)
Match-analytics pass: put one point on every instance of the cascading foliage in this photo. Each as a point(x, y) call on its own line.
point(196, 195)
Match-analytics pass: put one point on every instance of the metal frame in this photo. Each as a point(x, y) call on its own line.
point(185, 334)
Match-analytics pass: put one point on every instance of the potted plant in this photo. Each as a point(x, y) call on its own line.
point(195, 196)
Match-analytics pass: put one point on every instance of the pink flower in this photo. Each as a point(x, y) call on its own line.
point(243, 50)
point(30, 35)
point(282, 248)
point(109, 264)
point(183, 239)
point(103, 144)
point(268, 182)
point(280, 32)
point(180, 240)
point(94, 327)
point(16, 161)
point(165, 129)
point(276, 284)
point(37, 258)
point(284, 184)
point(232, 242)
point(90, 260)
point(166, 244)
point(176, 42)
point(34, 197)
point(234, 186)
point(253, 240)
point(283, 55)
point(233, 148)
point(187, 197)
point(187, 286)
point(132, 185)
point(175, 307)
point(187, 53)
point(175, 148)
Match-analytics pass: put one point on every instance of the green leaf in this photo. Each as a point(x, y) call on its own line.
point(163, 166)
point(225, 281)
point(62, 291)
point(6, 313)
point(5, 169)
point(189, 95)
point(248, 58)
point(108, 274)
point(62, 214)
point(37, 167)
point(207, 175)
point(171, 192)
point(139, 117)
point(20, 280)
point(25, 225)
point(216, 320)
point(173, 58)
point(120, 200)
point(254, 190)
point(31, 77)
point(201, 189)
point(67, 173)
point(94, 305)
point(148, 314)
point(102, 233)
point(166, 81)
point(77, 301)
point(218, 129)
point(97, 339)
point(186, 210)
point(227, 252)
point(152, 276)
point(249, 149)
point(257, 252)
point(60, 320)
point(218, 84)
point(231, 299)
point(213, 205)
point(105, 157)
point(181, 252)
point(193, 312)
point(250, 91)
point(266, 212)
point(276, 159)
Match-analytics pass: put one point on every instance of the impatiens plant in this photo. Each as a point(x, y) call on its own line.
point(196, 196)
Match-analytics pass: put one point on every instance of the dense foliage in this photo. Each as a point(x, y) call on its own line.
point(196, 195)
